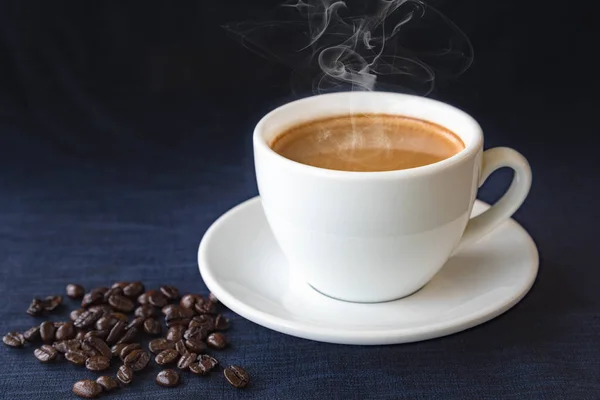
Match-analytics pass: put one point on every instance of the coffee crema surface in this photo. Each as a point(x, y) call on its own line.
point(367, 143)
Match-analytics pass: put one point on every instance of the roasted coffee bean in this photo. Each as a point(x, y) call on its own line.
point(136, 323)
point(88, 318)
point(196, 332)
point(158, 345)
point(125, 374)
point(88, 349)
point(121, 285)
point(175, 333)
point(32, 334)
point(64, 346)
point(45, 353)
point(106, 323)
point(75, 291)
point(178, 316)
point(152, 326)
point(205, 321)
point(112, 292)
point(145, 311)
point(13, 339)
point(92, 298)
point(36, 307)
point(189, 300)
point(166, 356)
point(206, 307)
point(197, 369)
point(76, 313)
point(99, 345)
point(195, 345)
point(216, 340)
point(120, 316)
point(117, 332)
point(87, 389)
point(156, 298)
point(170, 292)
point(61, 346)
point(128, 349)
point(99, 334)
point(47, 330)
point(129, 335)
point(213, 298)
point(105, 309)
point(166, 310)
point(167, 378)
point(180, 347)
point(51, 302)
point(117, 348)
point(208, 361)
point(97, 363)
point(134, 289)
point(138, 359)
point(108, 383)
point(76, 357)
point(65, 332)
point(185, 360)
point(221, 323)
point(121, 303)
point(236, 376)
point(80, 334)
point(143, 299)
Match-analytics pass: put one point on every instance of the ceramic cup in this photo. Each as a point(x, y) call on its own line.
point(379, 236)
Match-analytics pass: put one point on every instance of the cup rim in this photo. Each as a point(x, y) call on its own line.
point(260, 143)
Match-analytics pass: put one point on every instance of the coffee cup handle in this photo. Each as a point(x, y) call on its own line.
point(505, 207)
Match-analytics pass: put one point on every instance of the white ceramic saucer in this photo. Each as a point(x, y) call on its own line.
point(243, 266)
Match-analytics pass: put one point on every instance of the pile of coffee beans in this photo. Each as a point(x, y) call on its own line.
point(101, 332)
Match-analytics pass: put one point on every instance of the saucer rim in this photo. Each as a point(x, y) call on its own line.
point(360, 337)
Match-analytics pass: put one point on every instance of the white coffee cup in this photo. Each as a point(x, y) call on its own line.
point(379, 236)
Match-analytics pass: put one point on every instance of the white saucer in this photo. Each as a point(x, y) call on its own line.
point(243, 266)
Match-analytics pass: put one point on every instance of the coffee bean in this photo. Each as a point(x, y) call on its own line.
point(177, 317)
point(99, 345)
point(65, 331)
point(180, 347)
point(204, 321)
point(61, 346)
point(204, 365)
point(113, 292)
point(236, 376)
point(134, 289)
point(143, 299)
point(167, 378)
point(75, 291)
point(175, 333)
point(76, 357)
point(97, 363)
point(108, 383)
point(76, 313)
point(152, 326)
point(213, 298)
point(221, 323)
point(87, 389)
point(136, 323)
point(80, 334)
point(158, 345)
point(120, 316)
point(189, 300)
point(128, 349)
point(46, 353)
point(92, 298)
point(156, 298)
point(117, 348)
point(196, 332)
point(32, 334)
point(36, 308)
point(47, 330)
point(106, 323)
point(121, 285)
point(121, 303)
point(87, 318)
point(129, 335)
point(138, 359)
point(170, 292)
point(168, 309)
point(125, 374)
point(117, 332)
point(51, 302)
point(99, 334)
point(216, 341)
point(195, 345)
point(64, 346)
point(166, 356)
point(104, 309)
point(185, 360)
point(146, 311)
point(206, 307)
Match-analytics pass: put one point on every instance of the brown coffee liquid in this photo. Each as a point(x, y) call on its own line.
point(367, 143)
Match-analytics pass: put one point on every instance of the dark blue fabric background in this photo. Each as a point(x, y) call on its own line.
point(125, 132)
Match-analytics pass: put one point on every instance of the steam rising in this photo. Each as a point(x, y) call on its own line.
point(390, 45)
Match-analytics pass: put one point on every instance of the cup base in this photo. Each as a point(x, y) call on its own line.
point(367, 301)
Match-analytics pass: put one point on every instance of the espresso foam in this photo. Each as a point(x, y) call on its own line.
point(367, 142)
